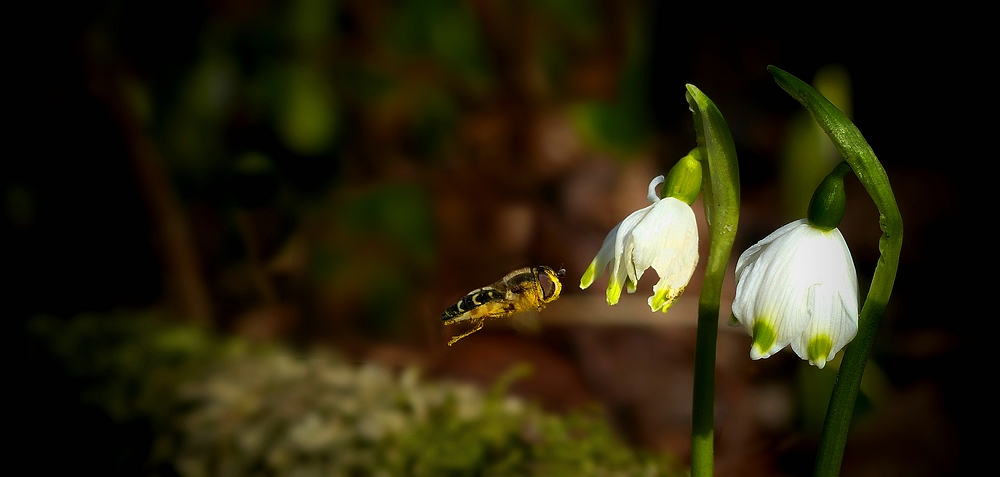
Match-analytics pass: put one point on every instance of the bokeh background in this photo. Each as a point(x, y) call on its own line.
point(336, 173)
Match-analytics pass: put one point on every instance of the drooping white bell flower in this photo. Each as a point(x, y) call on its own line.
point(663, 235)
point(798, 286)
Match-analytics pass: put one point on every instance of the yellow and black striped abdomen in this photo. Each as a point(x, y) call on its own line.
point(486, 301)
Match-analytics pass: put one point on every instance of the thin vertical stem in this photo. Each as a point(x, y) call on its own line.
point(721, 191)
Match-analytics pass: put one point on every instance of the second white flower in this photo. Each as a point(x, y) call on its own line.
point(798, 286)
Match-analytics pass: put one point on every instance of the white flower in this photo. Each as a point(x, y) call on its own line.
point(663, 235)
point(798, 286)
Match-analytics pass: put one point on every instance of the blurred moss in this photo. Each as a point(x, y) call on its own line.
point(127, 362)
point(229, 409)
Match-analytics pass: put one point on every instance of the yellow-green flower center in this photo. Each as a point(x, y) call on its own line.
point(663, 299)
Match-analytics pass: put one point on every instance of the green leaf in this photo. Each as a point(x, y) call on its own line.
point(855, 149)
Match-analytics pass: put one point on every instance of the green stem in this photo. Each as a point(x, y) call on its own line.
point(859, 155)
point(721, 193)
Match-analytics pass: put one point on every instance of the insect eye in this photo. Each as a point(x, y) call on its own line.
point(548, 288)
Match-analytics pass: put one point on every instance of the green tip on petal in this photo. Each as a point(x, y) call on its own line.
point(818, 350)
point(588, 276)
point(763, 336)
point(733, 321)
point(629, 285)
point(614, 292)
point(662, 300)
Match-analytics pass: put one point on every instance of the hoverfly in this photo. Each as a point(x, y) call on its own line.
point(529, 288)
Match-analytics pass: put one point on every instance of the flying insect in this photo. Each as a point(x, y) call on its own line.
point(529, 288)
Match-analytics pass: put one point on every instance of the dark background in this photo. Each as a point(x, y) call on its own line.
point(340, 173)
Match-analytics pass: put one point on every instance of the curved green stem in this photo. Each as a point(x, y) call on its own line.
point(859, 155)
point(721, 193)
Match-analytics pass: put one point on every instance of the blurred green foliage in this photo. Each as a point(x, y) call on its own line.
point(370, 249)
point(222, 407)
point(317, 134)
point(447, 32)
point(622, 126)
point(307, 119)
point(126, 363)
point(293, 80)
point(808, 154)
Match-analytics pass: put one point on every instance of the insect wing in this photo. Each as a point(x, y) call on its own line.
point(528, 322)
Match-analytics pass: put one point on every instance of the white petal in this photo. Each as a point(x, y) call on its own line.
point(833, 309)
point(750, 255)
point(787, 295)
point(630, 269)
point(622, 254)
point(667, 240)
point(798, 286)
point(601, 260)
point(770, 291)
point(749, 281)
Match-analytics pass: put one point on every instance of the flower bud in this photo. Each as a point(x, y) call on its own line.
point(826, 208)
point(684, 179)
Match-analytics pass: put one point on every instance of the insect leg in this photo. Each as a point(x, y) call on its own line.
point(479, 326)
